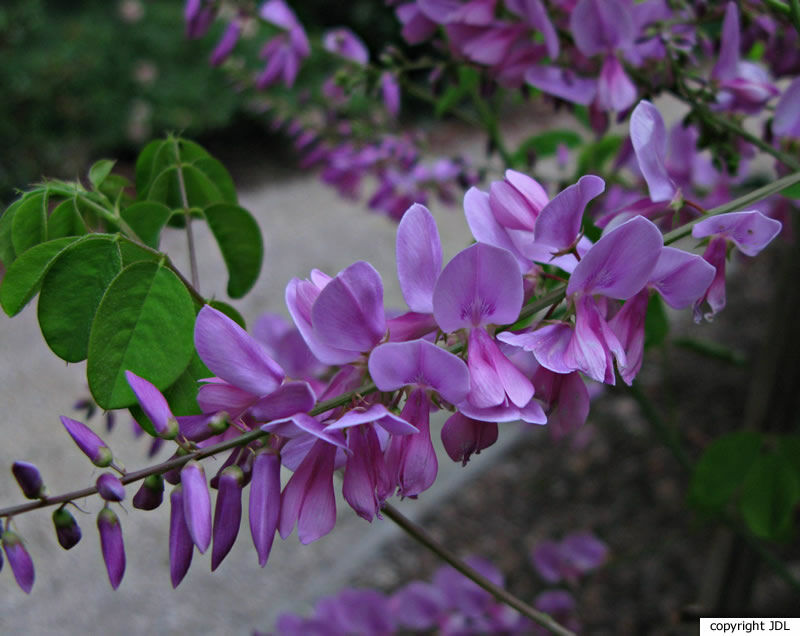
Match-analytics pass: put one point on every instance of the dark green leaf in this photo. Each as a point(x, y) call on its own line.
point(147, 219)
point(789, 448)
point(114, 187)
point(133, 253)
point(712, 350)
point(144, 324)
point(7, 251)
point(656, 324)
point(65, 220)
point(145, 168)
point(792, 192)
point(23, 278)
point(594, 156)
point(199, 189)
point(71, 292)
point(239, 240)
point(219, 176)
point(99, 171)
point(769, 494)
point(29, 225)
point(448, 100)
point(721, 469)
point(229, 311)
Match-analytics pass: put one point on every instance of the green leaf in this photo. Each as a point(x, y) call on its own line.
point(770, 492)
point(71, 292)
point(24, 276)
point(239, 240)
point(656, 324)
point(789, 449)
point(219, 176)
point(448, 100)
point(722, 468)
point(545, 144)
point(145, 166)
point(7, 251)
point(200, 189)
point(114, 186)
point(792, 192)
point(133, 253)
point(229, 311)
point(594, 156)
point(65, 220)
point(29, 225)
point(99, 171)
point(144, 324)
point(147, 219)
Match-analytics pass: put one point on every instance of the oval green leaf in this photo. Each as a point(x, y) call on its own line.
point(144, 324)
point(23, 278)
point(769, 494)
point(65, 220)
point(7, 251)
point(147, 219)
point(239, 240)
point(29, 225)
point(71, 292)
point(100, 170)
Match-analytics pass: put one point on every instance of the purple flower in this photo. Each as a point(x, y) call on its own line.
point(150, 493)
point(68, 532)
point(463, 436)
point(649, 137)
point(227, 513)
point(576, 554)
point(196, 504)
point(265, 500)
point(181, 545)
point(29, 480)
point(285, 51)
point(563, 83)
point(344, 42)
point(750, 230)
point(154, 405)
point(566, 400)
point(308, 499)
point(419, 258)
point(410, 459)
point(365, 474)
point(110, 488)
point(111, 545)
point(354, 611)
point(417, 605)
point(227, 42)
point(390, 93)
point(88, 441)
point(786, 122)
point(19, 560)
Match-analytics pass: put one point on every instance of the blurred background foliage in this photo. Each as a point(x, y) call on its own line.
point(96, 77)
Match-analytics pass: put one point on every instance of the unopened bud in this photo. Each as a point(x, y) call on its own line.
point(29, 480)
point(68, 532)
point(88, 441)
point(110, 487)
point(150, 493)
point(111, 545)
point(19, 560)
point(227, 514)
point(196, 504)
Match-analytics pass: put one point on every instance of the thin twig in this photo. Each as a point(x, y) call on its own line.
point(420, 535)
point(188, 215)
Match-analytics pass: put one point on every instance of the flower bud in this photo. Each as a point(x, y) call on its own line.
point(111, 545)
point(227, 514)
point(265, 502)
point(150, 493)
point(19, 560)
point(68, 532)
point(196, 504)
point(174, 476)
point(110, 487)
point(181, 545)
point(29, 480)
point(88, 441)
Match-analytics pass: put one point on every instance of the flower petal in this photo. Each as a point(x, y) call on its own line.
point(750, 230)
point(680, 277)
point(559, 222)
point(264, 503)
point(419, 258)
point(649, 138)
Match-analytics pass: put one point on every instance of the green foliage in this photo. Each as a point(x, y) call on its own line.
point(770, 492)
point(107, 294)
point(595, 155)
point(544, 145)
point(80, 79)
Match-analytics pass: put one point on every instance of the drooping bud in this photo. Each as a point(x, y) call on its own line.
point(111, 545)
point(265, 502)
point(88, 441)
point(19, 560)
point(463, 436)
point(110, 488)
point(227, 514)
point(196, 504)
point(150, 493)
point(174, 476)
point(68, 532)
point(29, 480)
point(154, 405)
point(181, 545)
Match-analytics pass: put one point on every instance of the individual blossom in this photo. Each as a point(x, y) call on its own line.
point(110, 488)
point(196, 504)
point(150, 493)
point(786, 122)
point(88, 441)
point(227, 513)
point(198, 14)
point(462, 436)
point(285, 51)
point(264, 502)
point(29, 480)
point(111, 545)
point(575, 555)
point(390, 93)
point(347, 44)
point(154, 405)
point(181, 544)
point(68, 531)
point(19, 560)
point(227, 42)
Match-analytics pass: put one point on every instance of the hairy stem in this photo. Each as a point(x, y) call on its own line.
point(421, 536)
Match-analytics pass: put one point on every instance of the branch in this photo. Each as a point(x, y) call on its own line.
point(188, 214)
point(421, 536)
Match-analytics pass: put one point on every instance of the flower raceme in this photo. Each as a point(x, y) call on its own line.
point(461, 347)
